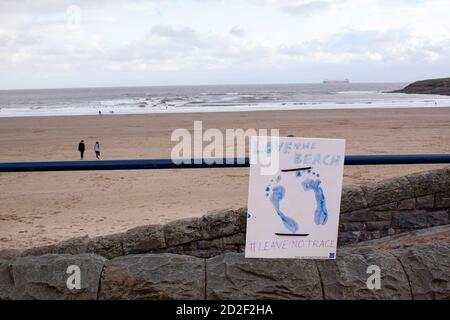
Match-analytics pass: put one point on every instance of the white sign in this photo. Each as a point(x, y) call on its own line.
point(293, 212)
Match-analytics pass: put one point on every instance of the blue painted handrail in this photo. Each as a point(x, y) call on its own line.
point(141, 164)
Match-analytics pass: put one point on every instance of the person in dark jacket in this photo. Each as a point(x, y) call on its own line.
point(81, 148)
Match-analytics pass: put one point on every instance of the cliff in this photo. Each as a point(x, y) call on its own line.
point(431, 86)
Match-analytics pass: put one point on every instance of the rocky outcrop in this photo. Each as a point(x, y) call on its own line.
point(432, 86)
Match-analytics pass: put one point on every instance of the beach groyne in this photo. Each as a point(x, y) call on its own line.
point(399, 224)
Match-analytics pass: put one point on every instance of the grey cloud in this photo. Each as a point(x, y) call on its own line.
point(52, 6)
point(391, 45)
point(352, 41)
point(170, 32)
point(179, 38)
point(310, 7)
point(237, 31)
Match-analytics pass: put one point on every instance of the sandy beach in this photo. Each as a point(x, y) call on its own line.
point(43, 208)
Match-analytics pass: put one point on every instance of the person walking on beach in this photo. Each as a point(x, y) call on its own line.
point(97, 150)
point(81, 148)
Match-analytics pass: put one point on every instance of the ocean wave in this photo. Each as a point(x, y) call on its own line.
point(207, 99)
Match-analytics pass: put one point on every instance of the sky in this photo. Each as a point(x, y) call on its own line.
point(103, 43)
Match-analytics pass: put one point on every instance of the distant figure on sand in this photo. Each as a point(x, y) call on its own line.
point(99, 113)
point(97, 150)
point(81, 148)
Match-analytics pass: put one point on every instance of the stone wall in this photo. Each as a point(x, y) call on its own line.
point(395, 205)
point(387, 223)
point(413, 266)
point(376, 210)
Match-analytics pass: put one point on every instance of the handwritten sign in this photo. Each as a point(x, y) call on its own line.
point(293, 211)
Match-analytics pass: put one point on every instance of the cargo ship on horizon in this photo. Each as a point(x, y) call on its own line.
point(343, 81)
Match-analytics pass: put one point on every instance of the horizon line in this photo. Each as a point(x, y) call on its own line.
point(196, 85)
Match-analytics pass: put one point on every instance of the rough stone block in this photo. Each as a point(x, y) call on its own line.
point(428, 269)
point(437, 218)
point(6, 279)
point(352, 199)
point(45, 277)
point(106, 246)
point(362, 215)
point(210, 244)
point(223, 223)
point(182, 231)
point(409, 220)
point(231, 276)
point(387, 191)
point(385, 232)
point(378, 225)
point(237, 239)
point(428, 182)
point(348, 237)
point(154, 277)
point(9, 254)
point(71, 246)
point(407, 204)
point(143, 239)
point(369, 235)
point(213, 225)
point(39, 251)
point(352, 226)
point(382, 215)
point(425, 202)
point(365, 215)
point(442, 200)
point(386, 207)
point(346, 277)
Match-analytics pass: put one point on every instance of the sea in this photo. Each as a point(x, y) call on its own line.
point(211, 98)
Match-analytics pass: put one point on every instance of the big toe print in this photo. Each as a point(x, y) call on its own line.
point(276, 194)
point(312, 182)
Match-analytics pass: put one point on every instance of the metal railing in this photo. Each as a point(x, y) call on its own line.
point(143, 164)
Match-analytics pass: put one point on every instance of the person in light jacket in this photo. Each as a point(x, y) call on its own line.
point(97, 150)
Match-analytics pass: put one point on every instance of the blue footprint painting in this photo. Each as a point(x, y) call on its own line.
point(276, 195)
point(313, 182)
